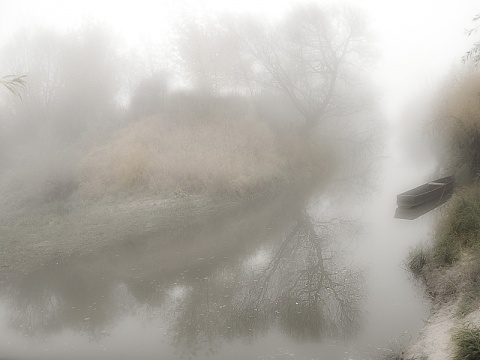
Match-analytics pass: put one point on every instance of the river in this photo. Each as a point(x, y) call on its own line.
point(321, 277)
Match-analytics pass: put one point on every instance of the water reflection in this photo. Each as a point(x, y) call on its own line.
point(303, 288)
point(417, 211)
point(295, 284)
point(269, 267)
point(54, 299)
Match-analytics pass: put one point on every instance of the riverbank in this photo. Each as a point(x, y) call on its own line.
point(58, 231)
point(155, 174)
point(450, 270)
point(55, 231)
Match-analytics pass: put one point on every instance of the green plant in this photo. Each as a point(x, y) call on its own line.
point(474, 53)
point(467, 343)
point(416, 260)
point(446, 251)
point(460, 227)
point(14, 83)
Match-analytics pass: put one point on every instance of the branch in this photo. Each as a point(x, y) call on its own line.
point(14, 84)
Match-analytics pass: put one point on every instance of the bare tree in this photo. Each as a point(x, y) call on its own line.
point(303, 288)
point(210, 53)
point(311, 57)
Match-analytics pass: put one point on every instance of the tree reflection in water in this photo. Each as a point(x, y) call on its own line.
point(269, 270)
point(299, 287)
point(47, 302)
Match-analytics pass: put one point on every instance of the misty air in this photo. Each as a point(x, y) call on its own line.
point(240, 180)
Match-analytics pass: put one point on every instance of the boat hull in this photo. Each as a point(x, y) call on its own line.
point(427, 192)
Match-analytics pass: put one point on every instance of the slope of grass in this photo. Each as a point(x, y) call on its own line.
point(459, 229)
point(224, 154)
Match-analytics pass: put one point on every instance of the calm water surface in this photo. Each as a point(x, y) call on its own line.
point(321, 278)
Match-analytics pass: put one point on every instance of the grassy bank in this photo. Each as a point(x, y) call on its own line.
point(449, 267)
point(226, 154)
point(213, 147)
point(449, 264)
point(192, 160)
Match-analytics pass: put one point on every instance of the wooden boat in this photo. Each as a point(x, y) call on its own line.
point(427, 192)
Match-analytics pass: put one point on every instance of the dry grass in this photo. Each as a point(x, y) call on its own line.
point(416, 260)
point(459, 229)
point(224, 154)
point(450, 266)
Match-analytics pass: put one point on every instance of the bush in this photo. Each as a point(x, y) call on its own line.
point(225, 153)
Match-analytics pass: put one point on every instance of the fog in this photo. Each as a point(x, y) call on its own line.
point(209, 179)
point(90, 97)
point(416, 42)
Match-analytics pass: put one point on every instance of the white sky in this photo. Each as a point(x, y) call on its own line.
point(418, 39)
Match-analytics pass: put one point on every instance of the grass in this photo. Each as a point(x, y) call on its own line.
point(197, 146)
point(417, 259)
point(396, 349)
point(222, 154)
point(450, 266)
point(467, 343)
point(459, 229)
point(471, 292)
point(469, 302)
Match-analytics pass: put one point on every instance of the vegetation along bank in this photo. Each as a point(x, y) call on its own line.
point(233, 109)
point(449, 264)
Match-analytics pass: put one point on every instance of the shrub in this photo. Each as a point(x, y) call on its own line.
point(225, 153)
